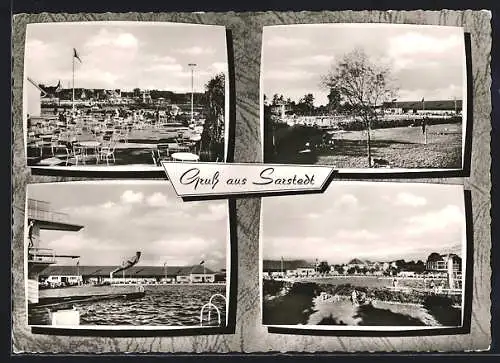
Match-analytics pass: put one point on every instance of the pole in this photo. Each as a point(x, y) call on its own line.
point(192, 93)
point(192, 65)
point(73, 86)
point(425, 121)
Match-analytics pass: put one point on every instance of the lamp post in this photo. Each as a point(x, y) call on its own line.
point(165, 270)
point(192, 65)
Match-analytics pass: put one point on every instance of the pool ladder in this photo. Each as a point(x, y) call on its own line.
point(209, 306)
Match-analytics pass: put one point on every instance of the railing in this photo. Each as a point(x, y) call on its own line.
point(41, 255)
point(41, 210)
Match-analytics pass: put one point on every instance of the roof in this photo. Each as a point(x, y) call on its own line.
point(429, 105)
point(275, 265)
point(138, 271)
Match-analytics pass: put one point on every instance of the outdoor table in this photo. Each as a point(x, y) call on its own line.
point(183, 156)
point(46, 137)
point(50, 161)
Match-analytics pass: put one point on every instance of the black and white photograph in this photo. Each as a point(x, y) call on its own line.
point(124, 95)
point(125, 255)
point(359, 97)
point(365, 256)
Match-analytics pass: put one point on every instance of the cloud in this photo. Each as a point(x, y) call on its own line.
point(157, 200)
point(347, 200)
point(449, 216)
point(215, 212)
point(362, 234)
point(165, 67)
point(410, 199)
point(319, 59)
point(414, 43)
point(441, 93)
point(196, 50)
point(129, 197)
point(106, 38)
point(188, 247)
point(107, 210)
point(313, 215)
point(278, 41)
point(219, 66)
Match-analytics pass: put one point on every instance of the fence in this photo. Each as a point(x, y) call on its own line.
point(41, 255)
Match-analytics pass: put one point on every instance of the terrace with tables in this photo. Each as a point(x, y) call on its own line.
point(104, 141)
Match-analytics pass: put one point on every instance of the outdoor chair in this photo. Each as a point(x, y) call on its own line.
point(76, 152)
point(55, 144)
point(107, 152)
point(164, 152)
point(31, 136)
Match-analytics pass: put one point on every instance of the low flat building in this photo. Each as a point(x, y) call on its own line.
point(135, 274)
point(419, 107)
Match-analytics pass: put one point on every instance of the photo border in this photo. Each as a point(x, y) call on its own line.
point(467, 296)
point(165, 331)
point(414, 173)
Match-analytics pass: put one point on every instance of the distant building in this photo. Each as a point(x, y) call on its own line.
point(290, 268)
point(441, 262)
point(418, 107)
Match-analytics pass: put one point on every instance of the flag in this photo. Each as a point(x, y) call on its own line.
point(58, 87)
point(75, 54)
point(78, 263)
point(202, 262)
point(422, 100)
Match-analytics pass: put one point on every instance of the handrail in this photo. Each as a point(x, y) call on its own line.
point(210, 302)
point(209, 305)
point(36, 254)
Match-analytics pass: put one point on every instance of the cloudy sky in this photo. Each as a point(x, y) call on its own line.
point(122, 218)
point(376, 221)
point(125, 55)
point(426, 61)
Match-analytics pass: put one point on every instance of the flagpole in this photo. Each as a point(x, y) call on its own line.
point(73, 93)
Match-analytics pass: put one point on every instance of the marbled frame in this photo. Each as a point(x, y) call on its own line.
point(250, 335)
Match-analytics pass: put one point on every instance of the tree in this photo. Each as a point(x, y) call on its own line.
point(362, 84)
point(212, 137)
point(306, 104)
point(334, 100)
point(277, 99)
point(137, 92)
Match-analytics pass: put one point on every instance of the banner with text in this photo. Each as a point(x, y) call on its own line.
point(218, 180)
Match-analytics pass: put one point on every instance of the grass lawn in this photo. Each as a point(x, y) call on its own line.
point(401, 147)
